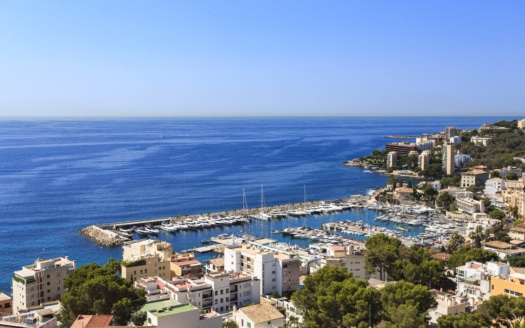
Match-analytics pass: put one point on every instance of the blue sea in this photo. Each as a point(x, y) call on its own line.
point(59, 176)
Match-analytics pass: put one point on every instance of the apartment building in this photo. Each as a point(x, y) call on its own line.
point(219, 292)
point(493, 186)
point(474, 178)
point(401, 147)
point(423, 160)
point(391, 159)
point(450, 132)
point(185, 265)
point(144, 258)
point(513, 284)
point(40, 282)
point(469, 205)
point(344, 257)
point(473, 279)
point(6, 304)
point(448, 160)
point(278, 272)
point(479, 141)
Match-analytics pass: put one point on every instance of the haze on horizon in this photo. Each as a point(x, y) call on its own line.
point(261, 58)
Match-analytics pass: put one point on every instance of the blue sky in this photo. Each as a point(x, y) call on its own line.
point(261, 58)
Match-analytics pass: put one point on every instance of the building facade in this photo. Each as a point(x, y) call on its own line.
point(145, 258)
point(278, 272)
point(448, 160)
point(40, 282)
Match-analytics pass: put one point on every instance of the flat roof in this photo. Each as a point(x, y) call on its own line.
point(167, 307)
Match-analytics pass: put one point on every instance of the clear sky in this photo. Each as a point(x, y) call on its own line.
point(262, 57)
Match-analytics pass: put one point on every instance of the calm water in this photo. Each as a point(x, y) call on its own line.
point(59, 176)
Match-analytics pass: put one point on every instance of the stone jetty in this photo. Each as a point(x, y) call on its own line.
point(103, 237)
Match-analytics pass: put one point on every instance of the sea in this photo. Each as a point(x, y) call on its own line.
point(61, 175)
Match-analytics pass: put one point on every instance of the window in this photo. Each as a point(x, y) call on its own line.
point(58, 288)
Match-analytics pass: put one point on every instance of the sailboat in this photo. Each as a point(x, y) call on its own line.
point(261, 215)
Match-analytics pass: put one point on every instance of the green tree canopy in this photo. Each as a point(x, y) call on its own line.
point(405, 304)
point(465, 254)
point(461, 320)
point(456, 241)
point(381, 253)
point(333, 298)
point(503, 309)
point(93, 289)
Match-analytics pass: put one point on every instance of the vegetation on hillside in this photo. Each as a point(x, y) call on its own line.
point(92, 289)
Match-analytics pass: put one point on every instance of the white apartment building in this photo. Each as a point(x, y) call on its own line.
point(40, 282)
point(471, 206)
point(425, 145)
point(391, 159)
point(219, 292)
point(277, 272)
point(473, 279)
point(494, 185)
point(479, 141)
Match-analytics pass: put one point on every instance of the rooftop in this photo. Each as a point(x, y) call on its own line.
point(261, 312)
point(167, 307)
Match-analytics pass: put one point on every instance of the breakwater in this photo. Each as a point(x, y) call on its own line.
point(116, 233)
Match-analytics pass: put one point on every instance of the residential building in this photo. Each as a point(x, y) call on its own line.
point(344, 257)
point(145, 258)
point(493, 185)
point(424, 159)
point(455, 140)
point(521, 124)
point(6, 304)
point(40, 282)
point(450, 132)
point(404, 194)
point(92, 321)
point(469, 205)
point(239, 289)
point(277, 271)
point(473, 280)
point(425, 145)
point(391, 159)
point(461, 159)
point(448, 160)
point(401, 147)
point(503, 249)
point(168, 314)
point(258, 316)
point(479, 141)
point(517, 233)
point(510, 169)
point(447, 304)
point(185, 265)
point(215, 265)
point(474, 178)
point(512, 284)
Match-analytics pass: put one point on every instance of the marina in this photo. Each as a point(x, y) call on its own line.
point(342, 221)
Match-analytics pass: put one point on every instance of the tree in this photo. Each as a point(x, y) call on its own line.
point(407, 299)
point(98, 290)
point(446, 200)
point(229, 324)
point(333, 298)
point(466, 254)
point(381, 252)
point(478, 236)
point(461, 320)
point(497, 215)
point(502, 308)
point(455, 242)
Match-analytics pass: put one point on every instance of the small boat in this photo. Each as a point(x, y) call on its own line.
point(205, 241)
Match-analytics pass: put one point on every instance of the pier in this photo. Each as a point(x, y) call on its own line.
point(116, 233)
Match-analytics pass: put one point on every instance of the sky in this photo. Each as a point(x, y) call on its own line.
point(262, 58)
